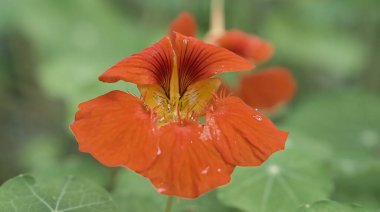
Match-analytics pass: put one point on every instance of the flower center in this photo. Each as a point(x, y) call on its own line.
point(175, 107)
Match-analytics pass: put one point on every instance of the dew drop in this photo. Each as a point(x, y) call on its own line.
point(161, 190)
point(205, 171)
point(219, 170)
point(258, 117)
point(158, 151)
point(307, 206)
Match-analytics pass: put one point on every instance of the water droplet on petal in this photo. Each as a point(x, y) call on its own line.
point(161, 190)
point(219, 170)
point(205, 171)
point(158, 151)
point(258, 117)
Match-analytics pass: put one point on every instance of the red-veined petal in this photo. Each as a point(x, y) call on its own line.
point(198, 60)
point(187, 166)
point(117, 130)
point(242, 135)
point(185, 24)
point(269, 88)
point(153, 65)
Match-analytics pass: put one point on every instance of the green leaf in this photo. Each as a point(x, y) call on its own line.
point(25, 193)
point(349, 122)
point(43, 156)
point(135, 193)
point(332, 206)
point(289, 178)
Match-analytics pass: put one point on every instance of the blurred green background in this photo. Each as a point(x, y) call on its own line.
point(51, 53)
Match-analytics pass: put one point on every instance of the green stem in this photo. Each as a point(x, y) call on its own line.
point(169, 204)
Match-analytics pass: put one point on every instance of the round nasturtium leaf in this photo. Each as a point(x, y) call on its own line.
point(349, 122)
point(332, 206)
point(287, 180)
point(25, 193)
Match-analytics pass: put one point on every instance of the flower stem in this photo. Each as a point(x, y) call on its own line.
point(217, 25)
point(169, 204)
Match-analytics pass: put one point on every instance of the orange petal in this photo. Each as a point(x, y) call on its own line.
point(245, 45)
point(262, 50)
point(117, 130)
point(153, 65)
point(198, 60)
point(269, 88)
point(185, 24)
point(187, 166)
point(242, 135)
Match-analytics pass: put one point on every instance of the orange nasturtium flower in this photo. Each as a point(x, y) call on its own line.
point(159, 136)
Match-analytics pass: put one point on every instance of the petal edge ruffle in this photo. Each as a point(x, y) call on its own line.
point(117, 130)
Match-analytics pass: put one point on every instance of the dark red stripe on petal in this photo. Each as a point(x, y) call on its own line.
point(117, 130)
point(187, 166)
point(241, 134)
point(153, 65)
point(198, 60)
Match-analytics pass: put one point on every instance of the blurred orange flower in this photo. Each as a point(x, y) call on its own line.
point(268, 89)
point(158, 135)
point(245, 45)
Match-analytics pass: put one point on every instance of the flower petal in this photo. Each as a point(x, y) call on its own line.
point(241, 134)
point(195, 61)
point(198, 95)
point(185, 24)
point(117, 130)
point(198, 60)
point(153, 65)
point(269, 88)
point(245, 45)
point(187, 166)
